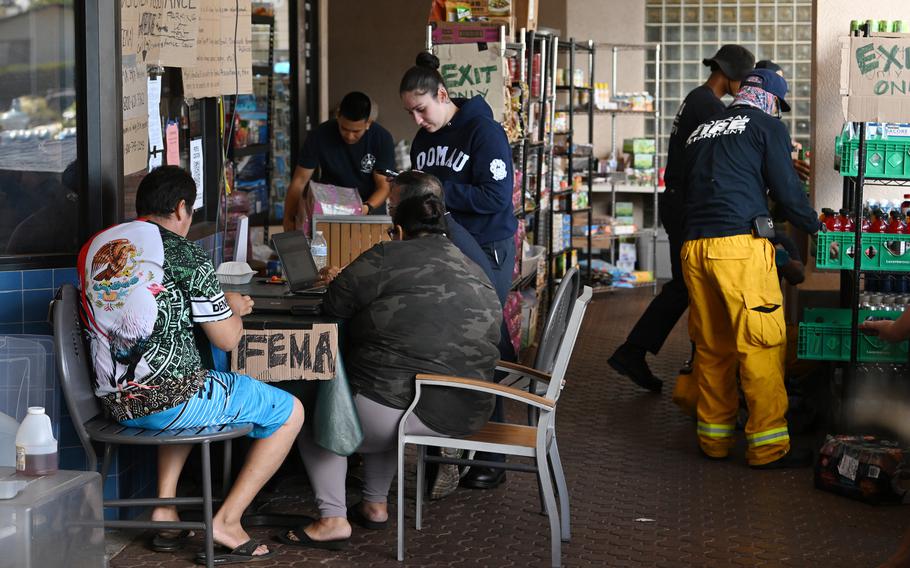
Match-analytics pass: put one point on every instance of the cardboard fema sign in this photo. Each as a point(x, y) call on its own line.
point(875, 77)
point(272, 355)
point(469, 71)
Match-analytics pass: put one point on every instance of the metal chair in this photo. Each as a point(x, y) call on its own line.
point(92, 426)
point(537, 442)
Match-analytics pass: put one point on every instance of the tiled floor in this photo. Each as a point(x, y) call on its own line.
point(641, 493)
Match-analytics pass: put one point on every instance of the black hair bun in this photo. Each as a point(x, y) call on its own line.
point(428, 60)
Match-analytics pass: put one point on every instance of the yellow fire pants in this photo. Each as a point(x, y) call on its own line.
point(735, 318)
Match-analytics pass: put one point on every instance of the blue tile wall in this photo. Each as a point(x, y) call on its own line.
point(24, 299)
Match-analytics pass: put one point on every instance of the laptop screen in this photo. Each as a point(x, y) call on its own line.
point(293, 250)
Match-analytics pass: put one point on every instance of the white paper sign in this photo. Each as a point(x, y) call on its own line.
point(196, 170)
point(156, 141)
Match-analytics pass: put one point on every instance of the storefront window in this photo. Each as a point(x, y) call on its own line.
point(39, 179)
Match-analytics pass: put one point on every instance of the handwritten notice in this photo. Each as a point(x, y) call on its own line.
point(135, 145)
point(214, 73)
point(172, 143)
point(875, 76)
point(160, 32)
point(469, 71)
point(197, 171)
point(133, 78)
point(272, 355)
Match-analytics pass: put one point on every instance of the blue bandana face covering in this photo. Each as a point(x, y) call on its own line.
point(758, 98)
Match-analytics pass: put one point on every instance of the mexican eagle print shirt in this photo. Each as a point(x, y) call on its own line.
point(143, 289)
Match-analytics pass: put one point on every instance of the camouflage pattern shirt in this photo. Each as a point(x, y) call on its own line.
point(419, 306)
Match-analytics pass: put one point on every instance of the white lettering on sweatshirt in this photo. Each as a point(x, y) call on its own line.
point(439, 156)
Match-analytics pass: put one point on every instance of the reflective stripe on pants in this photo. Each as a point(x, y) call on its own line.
point(735, 318)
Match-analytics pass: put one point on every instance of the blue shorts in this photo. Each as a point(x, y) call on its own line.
point(225, 398)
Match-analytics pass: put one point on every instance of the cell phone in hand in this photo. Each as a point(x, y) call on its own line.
point(391, 174)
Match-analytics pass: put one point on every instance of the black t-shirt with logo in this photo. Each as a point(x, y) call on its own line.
point(348, 165)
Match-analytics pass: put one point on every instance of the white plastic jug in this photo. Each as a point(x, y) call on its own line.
point(8, 428)
point(36, 448)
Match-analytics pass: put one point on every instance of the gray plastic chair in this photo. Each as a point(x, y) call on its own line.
point(93, 426)
point(537, 442)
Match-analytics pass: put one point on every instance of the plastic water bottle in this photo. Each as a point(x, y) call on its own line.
point(36, 448)
point(320, 250)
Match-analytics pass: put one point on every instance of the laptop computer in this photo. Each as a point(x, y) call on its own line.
point(301, 296)
point(293, 248)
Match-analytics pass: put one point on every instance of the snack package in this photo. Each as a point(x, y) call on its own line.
point(861, 467)
point(327, 199)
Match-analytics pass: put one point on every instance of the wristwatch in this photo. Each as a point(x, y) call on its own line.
point(370, 208)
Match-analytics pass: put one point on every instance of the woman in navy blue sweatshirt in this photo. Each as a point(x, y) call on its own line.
point(461, 144)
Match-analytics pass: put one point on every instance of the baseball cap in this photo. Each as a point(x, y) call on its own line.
point(770, 82)
point(735, 61)
point(768, 64)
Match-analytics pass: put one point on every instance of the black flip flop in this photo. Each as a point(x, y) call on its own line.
point(305, 541)
point(161, 542)
point(355, 515)
point(240, 555)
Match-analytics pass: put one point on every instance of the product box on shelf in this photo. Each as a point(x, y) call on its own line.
point(624, 213)
point(468, 32)
point(643, 161)
point(638, 145)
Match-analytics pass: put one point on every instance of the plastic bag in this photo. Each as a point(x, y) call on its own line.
point(337, 426)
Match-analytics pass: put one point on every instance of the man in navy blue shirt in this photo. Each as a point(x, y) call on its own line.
point(345, 151)
point(728, 67)
point(732, 163)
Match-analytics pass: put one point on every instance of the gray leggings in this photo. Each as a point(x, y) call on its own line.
point(327, 470)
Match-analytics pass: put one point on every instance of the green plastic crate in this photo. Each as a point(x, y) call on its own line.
point(888, 158)
point(824, 335)
point(881, 251)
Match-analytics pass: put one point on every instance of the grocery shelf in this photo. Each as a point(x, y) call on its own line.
point(250, 150)
point(623, 188)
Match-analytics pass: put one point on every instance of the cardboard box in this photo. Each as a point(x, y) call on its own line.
point(874, 81)
point(467, 32)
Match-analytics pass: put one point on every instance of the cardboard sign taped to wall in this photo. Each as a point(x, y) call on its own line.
point(875, 77)
point(272, 355)
point(469, 70)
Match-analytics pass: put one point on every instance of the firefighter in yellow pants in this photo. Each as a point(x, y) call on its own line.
point(735, 319)
point(735, 313)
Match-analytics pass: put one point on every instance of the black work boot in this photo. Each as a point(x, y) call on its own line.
point(791, 460)
point(630, 361)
